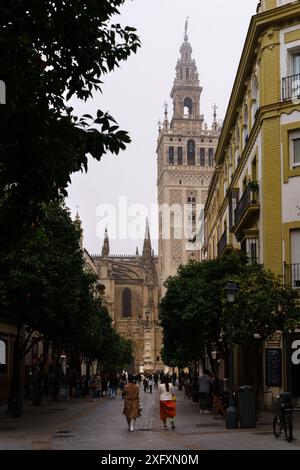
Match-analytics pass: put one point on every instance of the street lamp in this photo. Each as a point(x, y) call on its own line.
point(231, 421)
point(147, 324)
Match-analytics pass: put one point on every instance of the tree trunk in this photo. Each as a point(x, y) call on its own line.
point(15, 405)
point(57, 376)
point(37, 391)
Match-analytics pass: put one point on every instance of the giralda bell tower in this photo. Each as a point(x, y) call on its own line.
point(185, 161)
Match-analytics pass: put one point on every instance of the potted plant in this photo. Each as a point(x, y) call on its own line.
point(254, 188)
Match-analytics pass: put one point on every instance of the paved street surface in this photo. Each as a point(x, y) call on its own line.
point(100, 425)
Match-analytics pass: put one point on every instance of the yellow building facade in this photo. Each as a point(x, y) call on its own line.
point(253, 202)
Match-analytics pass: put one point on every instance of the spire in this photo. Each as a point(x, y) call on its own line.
point(166, 119)
point(215, 122)
point(186, 91)
point(78, 225)
point(147, 249)
point(137, 251)
point(105, 247)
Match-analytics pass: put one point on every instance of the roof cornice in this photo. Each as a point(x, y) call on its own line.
point(259, 23)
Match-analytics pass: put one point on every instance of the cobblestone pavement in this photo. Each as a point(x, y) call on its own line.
point(100, 425)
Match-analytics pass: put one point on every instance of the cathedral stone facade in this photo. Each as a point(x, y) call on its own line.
point(185, 162)
point(131, 293)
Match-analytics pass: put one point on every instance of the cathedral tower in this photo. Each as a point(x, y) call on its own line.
point(185, 160)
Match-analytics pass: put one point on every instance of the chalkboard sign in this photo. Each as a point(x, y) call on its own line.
point(273, 367)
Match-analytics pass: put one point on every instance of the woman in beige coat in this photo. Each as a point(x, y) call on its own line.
point(131, 403)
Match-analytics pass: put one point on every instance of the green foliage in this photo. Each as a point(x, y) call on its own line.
point(51, 52)
point(191, 310)
point(195, 314)
point(263, 306)
point(47, 289)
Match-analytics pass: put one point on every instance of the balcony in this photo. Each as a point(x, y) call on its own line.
point(291, 87)
point(247, 211)
point(224, 246)
point(292, 275)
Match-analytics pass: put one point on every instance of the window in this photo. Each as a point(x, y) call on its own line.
point(211, 157)
point(246, 123)
point(3, 356)
point(191, 213)
point(254, 169)
point(171, 155)
point(191, 152)
point(202, 157)
point(126, 303)
point(255, 97)
point(180, 156)
point(295, 63)
point(250, 248)
point(295, 253)
point(188, 107)
point(295, 148)
point(233, 202)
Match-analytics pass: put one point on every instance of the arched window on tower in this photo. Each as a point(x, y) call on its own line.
point(179, 156)
point(211, 157)
point(191, 214)
point(171, 155)
point(191, 152)
point(188, 108)
point(202, 157)
point(126, 298)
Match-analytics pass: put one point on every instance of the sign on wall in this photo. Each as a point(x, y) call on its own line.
point(273, 367)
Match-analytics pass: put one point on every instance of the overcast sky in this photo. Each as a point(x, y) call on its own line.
point(135, 95)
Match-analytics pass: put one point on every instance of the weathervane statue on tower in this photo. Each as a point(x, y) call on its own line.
point(186, 28)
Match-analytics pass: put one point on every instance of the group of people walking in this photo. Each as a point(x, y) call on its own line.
point(132, 402)
point(208, 387)
point(99, 385)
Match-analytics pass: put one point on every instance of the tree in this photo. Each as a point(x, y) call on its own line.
point(191, 310)
point(263, 306)
point(50, 52)
point(195, 316)
point(45, 289)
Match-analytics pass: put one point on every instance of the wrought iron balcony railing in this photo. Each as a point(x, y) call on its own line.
point(292, 275)
point(249, 198)
point(291, 87)
point(222, 243)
